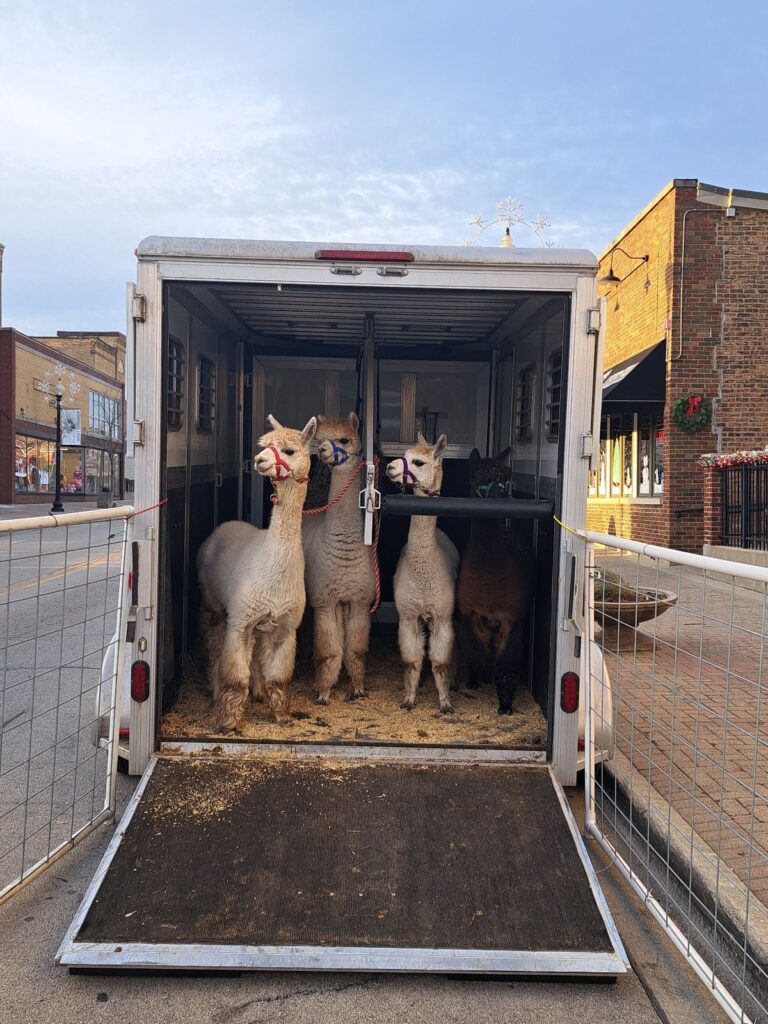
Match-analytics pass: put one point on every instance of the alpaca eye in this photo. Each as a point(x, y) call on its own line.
point(289, 451)
point(418, 462)
point(344, 440)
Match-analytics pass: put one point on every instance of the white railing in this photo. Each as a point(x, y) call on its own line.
point(682, 805)
point(61, 604)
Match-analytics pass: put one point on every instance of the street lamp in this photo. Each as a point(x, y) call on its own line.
point(57, 506)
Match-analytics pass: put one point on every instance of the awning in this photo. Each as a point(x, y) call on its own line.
point(637, 382)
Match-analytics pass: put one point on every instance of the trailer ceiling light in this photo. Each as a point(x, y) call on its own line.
point(139, 681)
point(364, 256)
point(569, 692)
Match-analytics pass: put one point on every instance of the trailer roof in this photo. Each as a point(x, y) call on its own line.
point(159, 247)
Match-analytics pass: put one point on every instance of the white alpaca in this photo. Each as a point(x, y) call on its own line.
point(339, 567)
point(252, 585)
point(425, 578)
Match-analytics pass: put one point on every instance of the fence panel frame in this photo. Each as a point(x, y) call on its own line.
point(107, 810)
point(718, 568)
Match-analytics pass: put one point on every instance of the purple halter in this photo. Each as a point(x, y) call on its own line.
point(410, 479)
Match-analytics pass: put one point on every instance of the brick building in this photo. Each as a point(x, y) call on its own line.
point(93, 434)
point(687, 312)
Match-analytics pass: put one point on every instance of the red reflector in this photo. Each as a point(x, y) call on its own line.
point(569, 692)
point(124, 734)
point(364, 255)
point(130, 581)
point(139, 681)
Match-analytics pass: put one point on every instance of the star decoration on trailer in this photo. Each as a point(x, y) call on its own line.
point(509, 212)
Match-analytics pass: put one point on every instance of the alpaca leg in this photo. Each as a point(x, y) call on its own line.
point(411, 642)
point(328, 651)
point(278, 662)
point(356, 636)
point(441, 655)
point(257, 677)
point(509, 666)
point(234, 666)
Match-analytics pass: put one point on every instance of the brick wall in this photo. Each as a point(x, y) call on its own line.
point(7, 415)
point(704, 289)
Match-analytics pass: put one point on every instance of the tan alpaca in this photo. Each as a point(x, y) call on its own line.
point(252, 585)
point(425, 577)
point(339, 567)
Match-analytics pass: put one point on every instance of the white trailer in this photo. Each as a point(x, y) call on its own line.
point(500, 348)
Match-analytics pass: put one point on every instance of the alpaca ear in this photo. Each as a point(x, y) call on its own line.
point(309, 431)
point(439, 448)
point(422, 440)
point(320, 419)
point(353, 421)
point(274, 423)
point(474, 461)
point(502, 456)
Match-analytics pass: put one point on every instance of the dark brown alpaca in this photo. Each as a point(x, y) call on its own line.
point(493, 593)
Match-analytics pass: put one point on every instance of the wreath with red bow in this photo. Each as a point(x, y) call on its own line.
point(692, 413)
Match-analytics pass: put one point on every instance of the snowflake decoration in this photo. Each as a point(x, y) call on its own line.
point(71, 387)
point(510, 212)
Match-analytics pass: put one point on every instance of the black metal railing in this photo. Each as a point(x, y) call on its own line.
point(744, 506)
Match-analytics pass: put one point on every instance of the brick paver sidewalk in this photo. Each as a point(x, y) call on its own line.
point(692, 711)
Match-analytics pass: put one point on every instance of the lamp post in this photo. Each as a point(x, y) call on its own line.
point(57, 506)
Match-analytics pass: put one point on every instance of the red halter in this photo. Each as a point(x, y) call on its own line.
point(282, 472)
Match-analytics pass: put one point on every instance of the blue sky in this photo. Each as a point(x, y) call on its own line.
point(350, 121)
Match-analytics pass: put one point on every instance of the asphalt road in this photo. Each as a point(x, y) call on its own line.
point(58, 600)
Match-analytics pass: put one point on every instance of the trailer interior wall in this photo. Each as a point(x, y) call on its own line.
point(491, 364)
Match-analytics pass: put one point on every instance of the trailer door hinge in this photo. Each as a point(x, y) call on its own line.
point(587, 445)
point(139, 307)
point(138, 433)
point(593, 321)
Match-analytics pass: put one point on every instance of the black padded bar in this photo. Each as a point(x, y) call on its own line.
point(472, 508)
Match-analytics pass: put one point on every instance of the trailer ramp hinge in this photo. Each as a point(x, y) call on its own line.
point(593, 320)
point(587, 445)
point(139, 307)
point(350, 270)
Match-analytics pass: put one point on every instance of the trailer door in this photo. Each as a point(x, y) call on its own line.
point(420, 861)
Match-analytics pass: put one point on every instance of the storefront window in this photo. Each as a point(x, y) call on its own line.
point(630, 461)
point(101, 471)
point(71, 470)
point(34, 465)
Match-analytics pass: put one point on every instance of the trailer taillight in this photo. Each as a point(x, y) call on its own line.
point(569, 692)
point(139, 681)
point(364, 256)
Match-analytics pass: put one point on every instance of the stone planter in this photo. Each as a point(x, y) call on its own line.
point(608, 614)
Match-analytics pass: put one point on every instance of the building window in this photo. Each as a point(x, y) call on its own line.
point(524, 402)
point(104, 415)
point(554, 383)
point(631, 457)
point(175, 384)
point(35, 465)
point(206, 395)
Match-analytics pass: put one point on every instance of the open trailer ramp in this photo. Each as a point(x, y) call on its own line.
point(336, 863)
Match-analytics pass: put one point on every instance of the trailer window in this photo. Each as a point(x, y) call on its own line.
point(206, 395)
point(554, 382)
point(524, 402)
point(175, 383)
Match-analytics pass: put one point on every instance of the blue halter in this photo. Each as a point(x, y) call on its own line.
point(340, 455)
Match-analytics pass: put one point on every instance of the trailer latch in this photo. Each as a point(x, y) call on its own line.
point(139, 308)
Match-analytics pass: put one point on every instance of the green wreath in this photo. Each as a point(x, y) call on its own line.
point(692, 413)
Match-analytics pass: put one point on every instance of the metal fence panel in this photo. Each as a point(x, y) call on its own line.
point(682, 806)
point(61, 603)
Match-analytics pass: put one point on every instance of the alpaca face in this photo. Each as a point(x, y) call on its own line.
point(285, 452)
point(490, 478)
point(338, 440)
point(420, 469)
